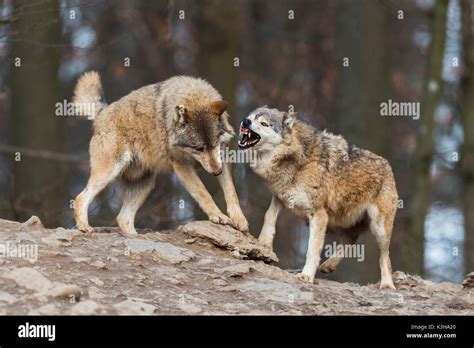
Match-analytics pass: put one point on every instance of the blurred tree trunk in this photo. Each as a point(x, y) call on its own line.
point(363, 36)
point(217, 29)
point(413, 253)
point(468, 126)
point(216, 32)
point(34, 93)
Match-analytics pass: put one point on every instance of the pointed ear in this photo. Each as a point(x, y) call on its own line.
point(181, 114)
point(289, 119)
point(218, 107)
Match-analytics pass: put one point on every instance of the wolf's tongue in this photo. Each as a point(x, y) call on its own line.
point(244, 134)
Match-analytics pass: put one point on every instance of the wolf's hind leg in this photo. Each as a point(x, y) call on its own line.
point(269, 223)
point(134, 194)
point(231, 199)
point(103, 172)
point(381, 227)
point(317, 231)
point(333, 261)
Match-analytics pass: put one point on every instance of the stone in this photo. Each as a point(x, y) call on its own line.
point(237, 270)
point(95, 294)
point(162, 250)
point(64, 291)
point(7, 298)
point(173, 254)
point(47, 309)
point(22, 237)
point(136, 245)
point(236, 308)
point(87, 307)
point(277, 291)
point(463, 301)
point(134, 307)
point(448, 287)
point(61, 237)
point(96, 281)
point(172, 280)
point(33, 221)
point(30, 279)
point(189, 308)
point(469, 281)
point(99, 264)
point(82, 259)
point(220, 282)
point(229, 238)
point(205, 262)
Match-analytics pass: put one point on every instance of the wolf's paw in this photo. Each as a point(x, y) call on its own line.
point(128, 234)
point(220, 219)
point(387, 285)
point(328, 266)
point(126, 228)
point(266, 244)
point(239, 222)
point(305, 278)
point(85, 228)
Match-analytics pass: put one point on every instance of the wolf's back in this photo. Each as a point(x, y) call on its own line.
point(188, 90)
point(88, 97)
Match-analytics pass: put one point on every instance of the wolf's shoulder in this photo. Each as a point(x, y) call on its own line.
point(312, 136)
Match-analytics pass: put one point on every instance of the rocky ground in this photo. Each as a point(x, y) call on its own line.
point(200, 268)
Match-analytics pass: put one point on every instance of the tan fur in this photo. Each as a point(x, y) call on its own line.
point(89, 91)
point(178, 124)
point(323, 180)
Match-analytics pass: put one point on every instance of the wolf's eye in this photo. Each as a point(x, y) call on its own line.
point(199, 149)
point(265, 124)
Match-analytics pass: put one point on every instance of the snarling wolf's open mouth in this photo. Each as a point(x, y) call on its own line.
point(248, 138)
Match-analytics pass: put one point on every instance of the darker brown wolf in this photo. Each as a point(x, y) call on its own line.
point(175, 125)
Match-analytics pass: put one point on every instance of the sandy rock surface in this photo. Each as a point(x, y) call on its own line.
point(201, 268)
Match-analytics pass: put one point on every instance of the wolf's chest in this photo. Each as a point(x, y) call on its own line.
point(297, 200)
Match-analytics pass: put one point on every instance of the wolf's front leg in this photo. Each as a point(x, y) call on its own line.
point(190, 179)
point(269, 223)
point(317, 230)
point(231, 199)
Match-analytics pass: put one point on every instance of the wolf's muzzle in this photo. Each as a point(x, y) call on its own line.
point(247, 137)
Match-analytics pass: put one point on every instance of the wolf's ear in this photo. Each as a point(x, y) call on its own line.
point(218, 107)
point(289, 119)
point(181, 114)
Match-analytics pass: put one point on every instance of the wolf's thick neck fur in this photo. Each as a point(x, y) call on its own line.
point(302, 144)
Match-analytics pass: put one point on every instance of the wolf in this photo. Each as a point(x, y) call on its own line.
point(179, 125)
point(324, 180)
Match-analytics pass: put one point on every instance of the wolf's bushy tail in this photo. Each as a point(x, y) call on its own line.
point(88, 97)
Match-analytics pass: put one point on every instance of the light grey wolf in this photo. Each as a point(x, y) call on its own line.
point(175, 125)
point(324, 180)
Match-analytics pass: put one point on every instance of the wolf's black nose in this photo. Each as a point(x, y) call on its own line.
point(246, 122)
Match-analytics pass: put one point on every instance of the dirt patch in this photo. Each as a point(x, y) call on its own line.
point(201, 268)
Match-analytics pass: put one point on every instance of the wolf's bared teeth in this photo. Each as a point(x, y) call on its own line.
point(247, 138)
